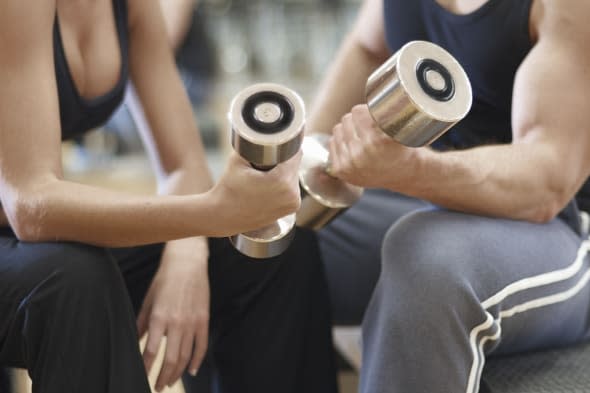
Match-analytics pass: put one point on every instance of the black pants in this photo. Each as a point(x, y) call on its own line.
point(67, 314)
point(4, 381)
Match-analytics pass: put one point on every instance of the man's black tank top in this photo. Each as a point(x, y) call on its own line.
point(78, 114)
point(490, 43)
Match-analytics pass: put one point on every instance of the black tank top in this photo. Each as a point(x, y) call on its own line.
point(490, 43)
point(78, 114)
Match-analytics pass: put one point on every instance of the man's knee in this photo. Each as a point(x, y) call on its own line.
point(423, 255)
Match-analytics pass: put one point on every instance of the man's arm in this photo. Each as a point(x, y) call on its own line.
point(177, 17)
point(533, 177)
point(363, 50)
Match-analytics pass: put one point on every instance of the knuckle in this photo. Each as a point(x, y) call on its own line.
point(357, 109)
point(184, 358)
point(202, 317)
point(157, 318)
point(171, 362)
point(192, 320)
point(176, 320)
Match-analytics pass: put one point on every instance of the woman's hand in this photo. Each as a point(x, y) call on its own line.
point(363, 155)
point(177, 306)
point(250, 199)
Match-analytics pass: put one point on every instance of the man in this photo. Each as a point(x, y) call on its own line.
point(486, 254)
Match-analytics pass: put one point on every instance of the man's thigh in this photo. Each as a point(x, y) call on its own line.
point(530, 280)
point(351, 250)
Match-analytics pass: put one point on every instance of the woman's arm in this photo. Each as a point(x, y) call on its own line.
point(177, 302)
point(41, 206)
point(174, 143)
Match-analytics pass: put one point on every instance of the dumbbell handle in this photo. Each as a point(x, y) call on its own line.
point(323, 195)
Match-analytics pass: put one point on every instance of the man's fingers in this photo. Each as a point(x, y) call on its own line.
point(339, 154)
point(349, 129)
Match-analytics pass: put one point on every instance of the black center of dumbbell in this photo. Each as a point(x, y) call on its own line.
point(284, 118)
point(440, 94)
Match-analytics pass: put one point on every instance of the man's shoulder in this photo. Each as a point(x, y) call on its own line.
point(563, 19)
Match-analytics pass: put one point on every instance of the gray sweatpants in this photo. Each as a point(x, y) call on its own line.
point(452, 289)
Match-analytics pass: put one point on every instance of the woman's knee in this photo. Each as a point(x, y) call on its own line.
point(80, 270)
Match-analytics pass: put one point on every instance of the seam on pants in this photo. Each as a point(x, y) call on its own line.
point(519, 286)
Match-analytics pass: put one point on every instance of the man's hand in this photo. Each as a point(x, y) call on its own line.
point(363, 155)
point(177, 306)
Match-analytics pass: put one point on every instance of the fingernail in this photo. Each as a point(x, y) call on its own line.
point(193, 372)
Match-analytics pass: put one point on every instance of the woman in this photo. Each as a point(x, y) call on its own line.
point(67, 295)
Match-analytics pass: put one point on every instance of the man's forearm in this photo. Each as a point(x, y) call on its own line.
point(511, 181)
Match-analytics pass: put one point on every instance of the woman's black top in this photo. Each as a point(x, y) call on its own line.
point(78, 114)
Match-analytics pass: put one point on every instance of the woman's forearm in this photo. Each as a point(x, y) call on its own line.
point(65, 211)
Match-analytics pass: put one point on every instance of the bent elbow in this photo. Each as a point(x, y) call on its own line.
point(26, 216)
point(550, 208)
point(543, 215)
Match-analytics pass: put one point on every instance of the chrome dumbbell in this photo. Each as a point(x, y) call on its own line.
point(267, 122)
point(414, 97)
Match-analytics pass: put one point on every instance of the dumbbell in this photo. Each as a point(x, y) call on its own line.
point(267, 122)
point(415, 97)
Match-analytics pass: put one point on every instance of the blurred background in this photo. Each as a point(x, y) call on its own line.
point(221, 46)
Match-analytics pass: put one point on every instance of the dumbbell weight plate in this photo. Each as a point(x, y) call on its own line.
point(418, 94)
point(266, 242)
point(266, 124)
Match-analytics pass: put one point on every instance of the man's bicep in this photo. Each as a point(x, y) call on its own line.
point(369, 29)
point(550, 105)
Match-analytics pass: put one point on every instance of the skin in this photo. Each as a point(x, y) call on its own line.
point(39, 205)
point(177, 17)
point(530, 179)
